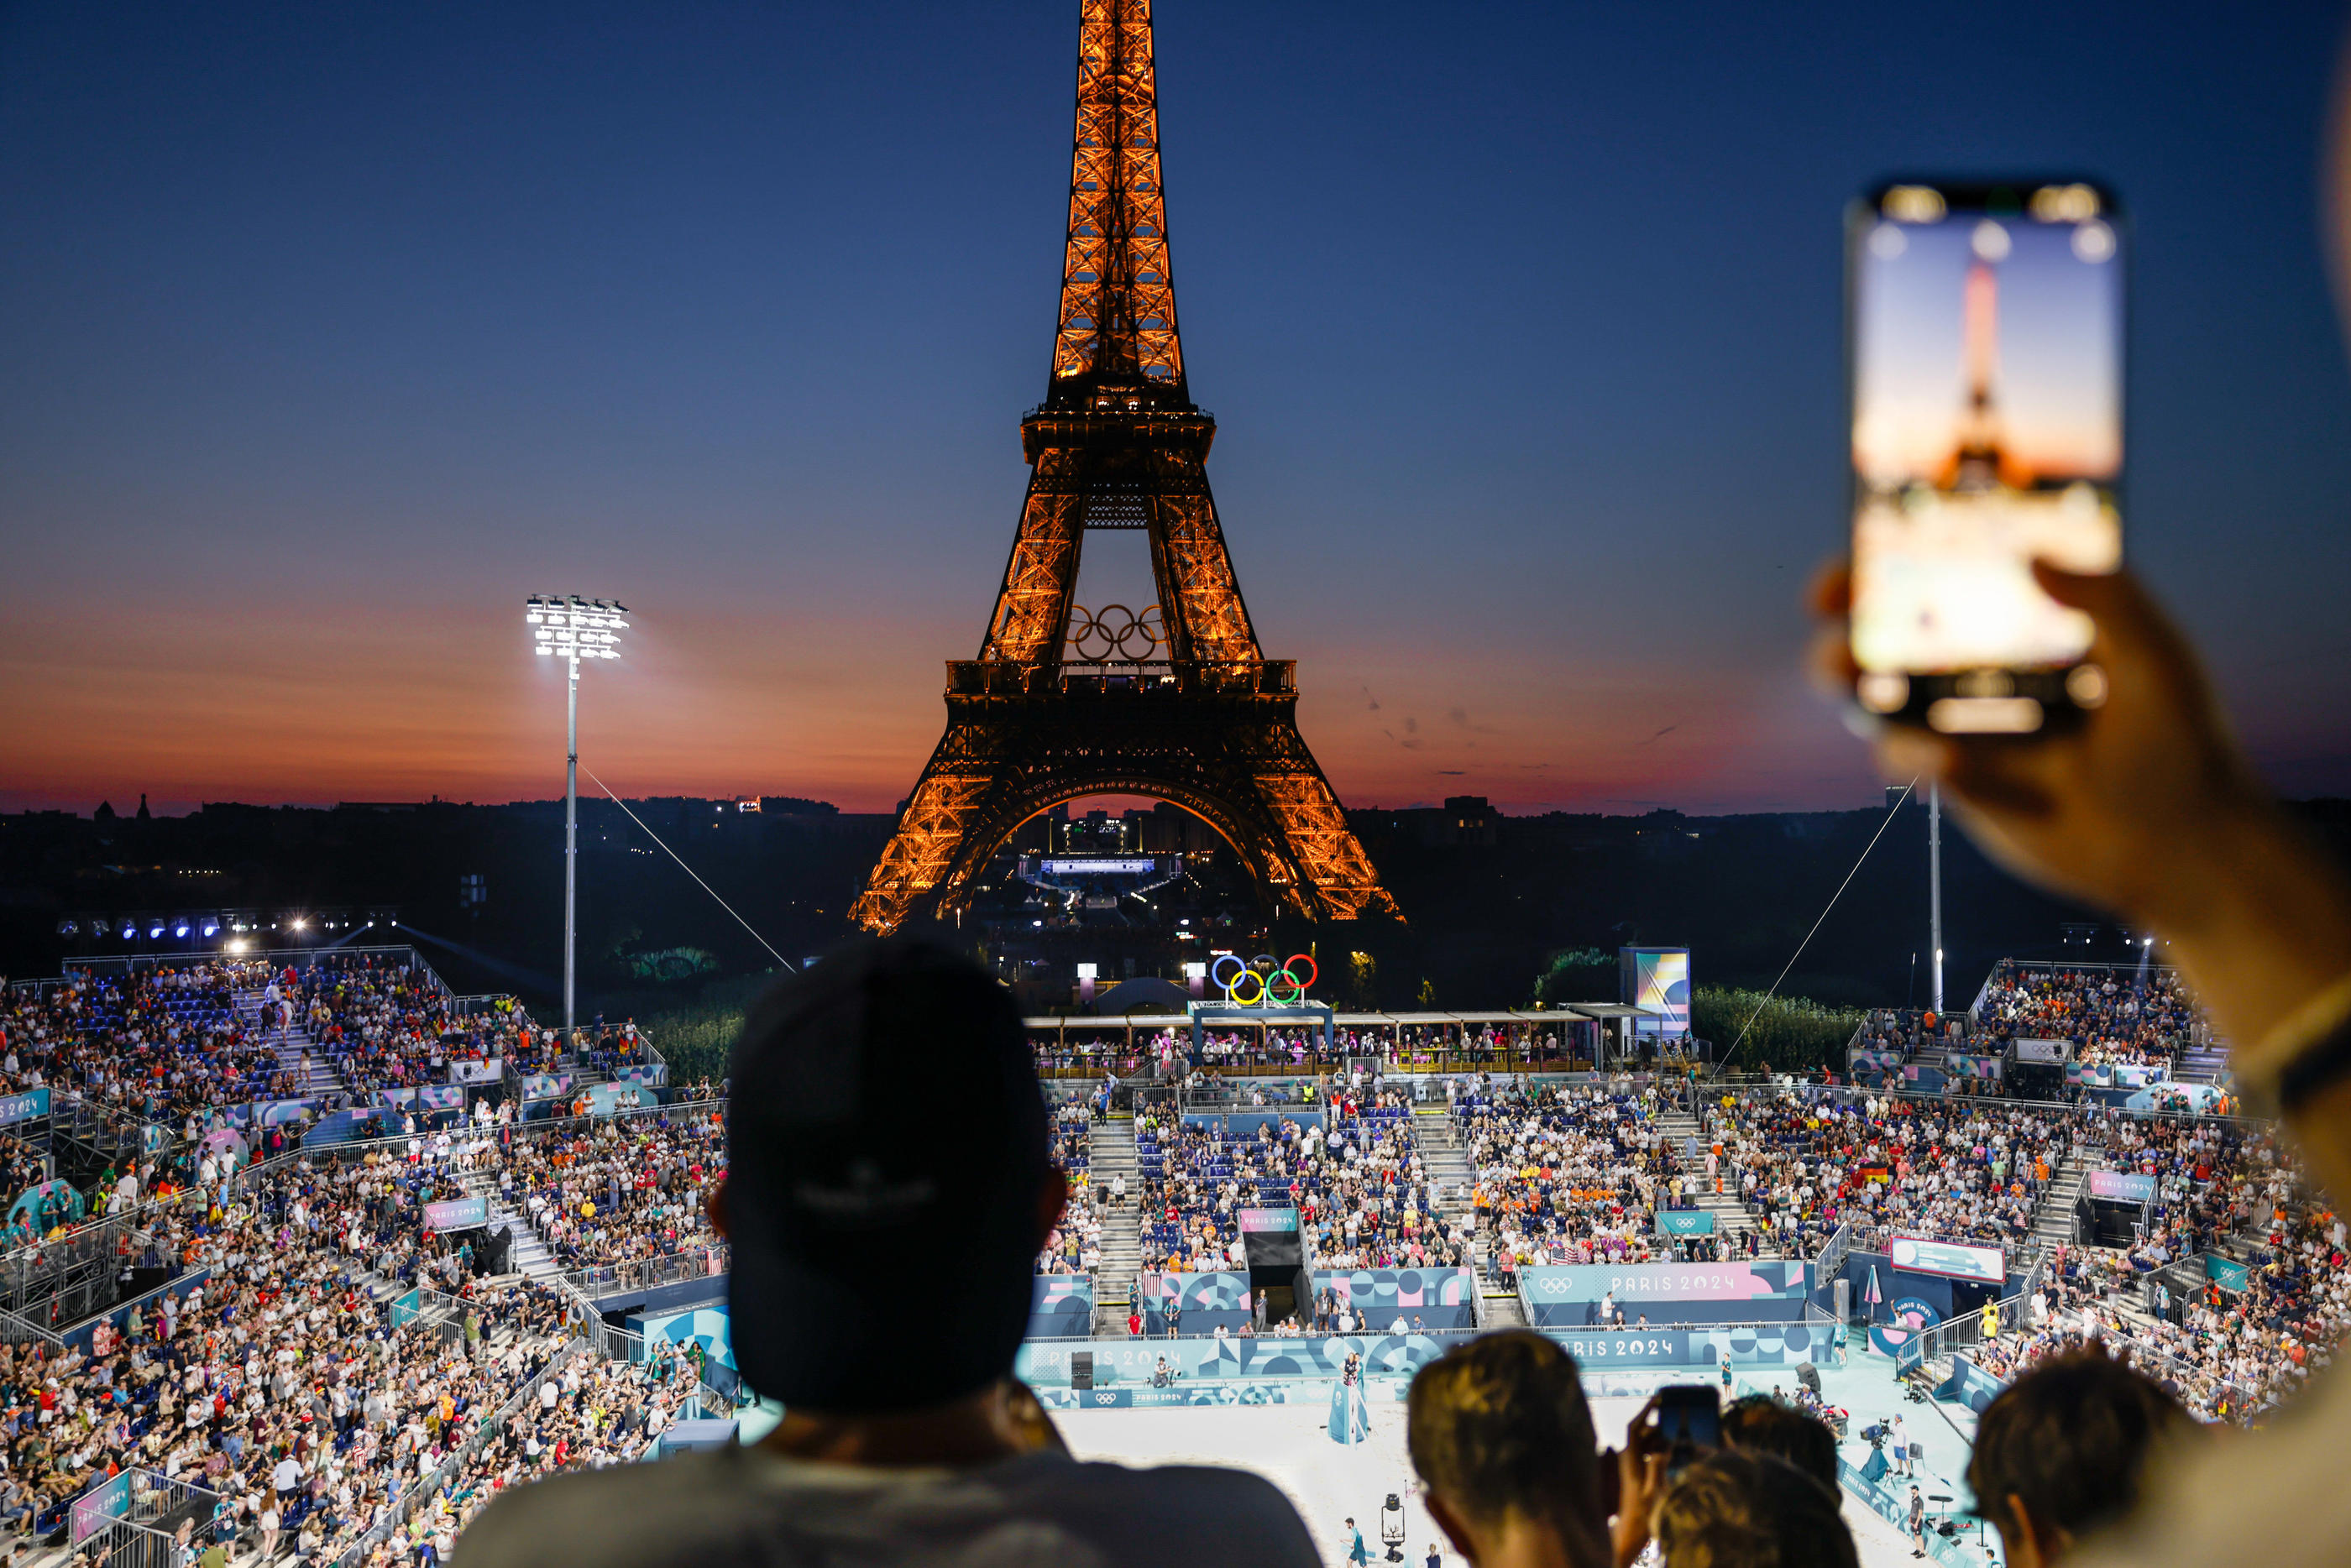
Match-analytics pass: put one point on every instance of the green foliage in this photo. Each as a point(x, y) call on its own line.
point(671, 963)
point(1358, 989)
point(1792, 1034)
point(1577, 974)
point(695, 1040)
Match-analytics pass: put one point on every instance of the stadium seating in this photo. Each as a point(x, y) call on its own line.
point(2112, 1017)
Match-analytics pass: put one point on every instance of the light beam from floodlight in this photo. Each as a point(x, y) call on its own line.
point(568, 627)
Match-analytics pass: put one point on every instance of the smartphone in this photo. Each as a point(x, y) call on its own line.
point(1985, 368)
point(1688, 1421)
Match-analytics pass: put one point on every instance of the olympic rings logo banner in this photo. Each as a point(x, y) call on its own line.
point(1261, 981)
point(1114, 631)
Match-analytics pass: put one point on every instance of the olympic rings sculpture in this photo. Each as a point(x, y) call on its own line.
point(1271, 985)
point(1096, 635)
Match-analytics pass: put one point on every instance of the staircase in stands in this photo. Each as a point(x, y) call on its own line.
point(1111, 1155)
point(529, 1254)
point(2201, 1062)
point(2052, 1221)
point(1445, 1156)
point(312, 1071)
point(1731, 1220)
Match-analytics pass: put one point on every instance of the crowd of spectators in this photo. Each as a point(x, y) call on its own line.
point(616, 1192)
point(2228, 1353)
point(2111, 1017)
point(1910, 1030)
point(389, 1026)
point(155, 1046)
point(1074, 1247)
point(1361, 1187)
point(1963, 1169)
point(1274, 1048)
point(297, 1382)
point(585, 1414)
point(277, 1380)
point(1565, 1174)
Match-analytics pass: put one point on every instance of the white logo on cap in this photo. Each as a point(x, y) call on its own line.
point(867, 1199)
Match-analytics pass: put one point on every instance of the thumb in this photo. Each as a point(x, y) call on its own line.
point(2127, 617)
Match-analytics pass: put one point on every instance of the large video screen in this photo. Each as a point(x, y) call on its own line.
point(1658, 979)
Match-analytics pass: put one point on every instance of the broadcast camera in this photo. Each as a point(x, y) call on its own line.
point(1391, 1527)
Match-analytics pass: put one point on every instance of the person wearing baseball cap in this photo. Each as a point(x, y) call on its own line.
point(886, 1152)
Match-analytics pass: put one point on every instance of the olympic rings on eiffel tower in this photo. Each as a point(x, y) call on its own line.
point(1114, 630)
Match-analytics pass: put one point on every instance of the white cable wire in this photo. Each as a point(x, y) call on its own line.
point(1792, 957)
point(789, 967)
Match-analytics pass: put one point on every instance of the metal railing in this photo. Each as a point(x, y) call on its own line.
point(648, 1274)
point(134, 1538)
point(18, 1329)
point(1831, 1259)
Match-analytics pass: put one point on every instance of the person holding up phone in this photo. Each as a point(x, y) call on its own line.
point(2148, 808)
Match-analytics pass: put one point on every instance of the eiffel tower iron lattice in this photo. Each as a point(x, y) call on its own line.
point(1178, 703)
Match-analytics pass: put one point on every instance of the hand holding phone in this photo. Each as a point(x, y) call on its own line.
point(1986, 374)
point(1689, 1422)
point(1675, 1427)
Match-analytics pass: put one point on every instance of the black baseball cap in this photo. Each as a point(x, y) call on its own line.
point(886, 1147)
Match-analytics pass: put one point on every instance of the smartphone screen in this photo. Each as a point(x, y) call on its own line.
point(1689, 1416)
point(1987, 385)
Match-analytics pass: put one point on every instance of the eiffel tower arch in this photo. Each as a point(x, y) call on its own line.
point(1177, 702)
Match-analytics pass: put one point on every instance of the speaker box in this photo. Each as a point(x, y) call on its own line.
point(1081, 1369)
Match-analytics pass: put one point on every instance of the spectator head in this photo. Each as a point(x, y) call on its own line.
point(2063, 1450)
point(1737, 1509)
point(884, 1110)
point(1757, 1425)
point(1502, 1439)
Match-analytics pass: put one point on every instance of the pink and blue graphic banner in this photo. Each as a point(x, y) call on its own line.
point(1571, 1296)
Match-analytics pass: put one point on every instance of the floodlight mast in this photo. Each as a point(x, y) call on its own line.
point(573, 628)
point(1935, 889)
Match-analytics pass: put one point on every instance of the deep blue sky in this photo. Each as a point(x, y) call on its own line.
point(328, 332)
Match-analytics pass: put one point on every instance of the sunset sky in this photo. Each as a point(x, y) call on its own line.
point(329, 332)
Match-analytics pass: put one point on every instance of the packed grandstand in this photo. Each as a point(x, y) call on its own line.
point(224, 1274)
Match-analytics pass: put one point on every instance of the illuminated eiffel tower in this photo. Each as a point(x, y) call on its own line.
point(1178, 703)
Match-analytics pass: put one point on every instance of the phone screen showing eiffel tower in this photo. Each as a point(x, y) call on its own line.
point(1987, 424)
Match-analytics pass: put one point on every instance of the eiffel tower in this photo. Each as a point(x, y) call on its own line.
point(1178, 702)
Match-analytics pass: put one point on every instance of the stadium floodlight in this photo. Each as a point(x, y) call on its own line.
point(573, 628)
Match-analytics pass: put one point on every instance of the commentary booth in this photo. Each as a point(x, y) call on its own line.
point(2112, 1208)
point(1619, 1026)
point(466, 1221)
